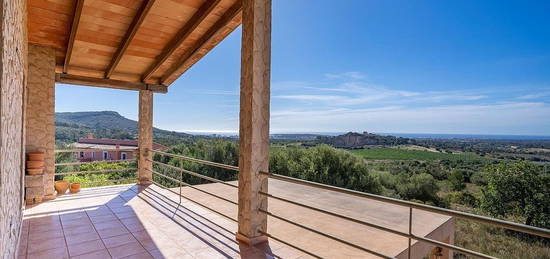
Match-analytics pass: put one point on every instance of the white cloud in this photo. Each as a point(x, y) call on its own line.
point(534, 96)
point(505, 118)
point(346, 75)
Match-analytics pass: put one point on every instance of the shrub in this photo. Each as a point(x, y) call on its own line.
point(520, 189)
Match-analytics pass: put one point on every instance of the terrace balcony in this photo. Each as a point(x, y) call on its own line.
point(144, 46)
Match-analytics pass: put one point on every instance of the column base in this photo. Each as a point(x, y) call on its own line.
point(250, 241)
point(145, 182)
point(50, 197)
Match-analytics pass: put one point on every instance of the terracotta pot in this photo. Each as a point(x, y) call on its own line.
point(75, 187)
point(61, 187)
point(35, 171)
point(35, 164)
point(35, 156)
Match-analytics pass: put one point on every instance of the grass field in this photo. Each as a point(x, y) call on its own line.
point(405, 154)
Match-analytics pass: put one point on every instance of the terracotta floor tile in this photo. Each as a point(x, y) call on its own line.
point(139, 256)
point(86, 247)
point(124, 215)
point(46, 244)
point(35, 236)
point(101, 254)
point(81, 237)
point(126, 250)
point(78, 230)
point(45, 226)
point(101, 211)
point(76, 223)
point(57, 253)
point(103, 218)
point(111, 232)
point(119, 240)
point(108, 224)
point(73, 216)
point(43, 220)
point(135, 227)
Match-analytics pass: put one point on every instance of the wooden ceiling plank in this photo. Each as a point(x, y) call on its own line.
point(130, 34)
point(211, 33)
point(108, 83)
point(74, 29)
point(181, 36)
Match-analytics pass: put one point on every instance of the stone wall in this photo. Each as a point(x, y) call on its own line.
point(40, 110)
point(13, 66)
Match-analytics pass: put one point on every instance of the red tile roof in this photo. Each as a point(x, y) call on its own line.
point(114, 142)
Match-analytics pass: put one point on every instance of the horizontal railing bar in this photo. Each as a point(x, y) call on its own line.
point(393, 231)
point(452, 247)
point(109, 181)
point(325, 235)
point(98, 171)
point(193, 173)
point(95, 162)
point(288, 244)
point(492, 221)
point(191, 186)
point(93, 150)
point(200, 161)
point(196, 202)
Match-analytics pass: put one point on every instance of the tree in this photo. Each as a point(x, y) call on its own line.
point(418, 187)
point(520, 189)
point(456, 178)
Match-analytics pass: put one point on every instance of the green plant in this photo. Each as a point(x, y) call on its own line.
point(520, 189)
point(456, 179)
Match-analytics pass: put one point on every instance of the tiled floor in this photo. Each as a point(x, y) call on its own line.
point(116, 222)
point(136, 222)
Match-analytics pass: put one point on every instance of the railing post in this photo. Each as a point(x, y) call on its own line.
point(145, 136)
point(254, 120)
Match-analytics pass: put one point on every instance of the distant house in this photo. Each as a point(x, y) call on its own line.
point(108, 149)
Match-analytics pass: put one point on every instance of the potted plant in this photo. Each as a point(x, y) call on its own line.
point(61, 187)
point(75, 187)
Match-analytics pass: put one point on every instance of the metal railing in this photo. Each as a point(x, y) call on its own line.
point(410, 205)
point(195, 174)
point(105, 171)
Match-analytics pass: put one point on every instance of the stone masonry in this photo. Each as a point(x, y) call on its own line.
point(13, 67)
point(40, 110)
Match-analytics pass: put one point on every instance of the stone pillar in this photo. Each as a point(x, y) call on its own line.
point(145, 136)
point(13, 70)
point(40, 110)
point(254, 119)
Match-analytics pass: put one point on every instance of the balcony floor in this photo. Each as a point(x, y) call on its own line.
point(126, 222)
point(136, 222)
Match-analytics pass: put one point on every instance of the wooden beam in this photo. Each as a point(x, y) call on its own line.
point(181, 36)
point(130, 34)
point(254, 120)
point(176, 69)
point(74, 29)
point(108, 83)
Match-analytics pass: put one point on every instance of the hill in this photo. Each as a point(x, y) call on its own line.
point(107, 124)
point(353, 140)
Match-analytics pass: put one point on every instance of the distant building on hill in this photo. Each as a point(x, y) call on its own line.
point(107, 149)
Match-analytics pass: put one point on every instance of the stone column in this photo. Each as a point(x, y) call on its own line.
point(145, 136)
point(40, 110)
point(13, 72)
point(254, 120)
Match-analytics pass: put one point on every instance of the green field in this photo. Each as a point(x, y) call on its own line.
point(405, 154)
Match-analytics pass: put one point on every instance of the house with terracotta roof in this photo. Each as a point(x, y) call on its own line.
point(98, 149)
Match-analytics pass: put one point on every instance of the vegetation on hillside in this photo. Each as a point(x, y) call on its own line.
point(387, 153)
point(456, 176)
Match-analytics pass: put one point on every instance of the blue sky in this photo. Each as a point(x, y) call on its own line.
point(472, 67)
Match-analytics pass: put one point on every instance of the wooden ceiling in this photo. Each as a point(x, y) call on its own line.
point(140, 42)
